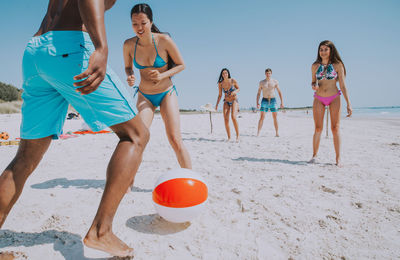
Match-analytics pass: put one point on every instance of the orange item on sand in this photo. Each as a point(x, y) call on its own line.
point(12, 142)
point(91, 132)
point(4, 136)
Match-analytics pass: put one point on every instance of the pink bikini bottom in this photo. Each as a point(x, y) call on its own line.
point(327, 100)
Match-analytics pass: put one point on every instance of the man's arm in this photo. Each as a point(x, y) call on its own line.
point(258, 95)
point(280, 94)
point(92, 14)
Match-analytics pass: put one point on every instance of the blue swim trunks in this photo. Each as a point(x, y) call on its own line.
point(49, 64)
point(269, 104)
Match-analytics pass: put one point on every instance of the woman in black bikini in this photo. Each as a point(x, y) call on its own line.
point(230, 88)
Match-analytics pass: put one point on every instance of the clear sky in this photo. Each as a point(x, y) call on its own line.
point(246, 37)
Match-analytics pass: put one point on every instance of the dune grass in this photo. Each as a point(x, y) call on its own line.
point(10, 107)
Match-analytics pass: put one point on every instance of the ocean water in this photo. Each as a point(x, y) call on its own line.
point(360, 112)
point(387, 112)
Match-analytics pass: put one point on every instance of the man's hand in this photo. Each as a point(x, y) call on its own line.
point(94, 74)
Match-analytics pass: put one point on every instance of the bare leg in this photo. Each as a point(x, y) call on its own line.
point(146, 113)
point(334, 109)
point(260, 122)
point(275, 117)
point(318, 114)
point(121, 171)
point(169, 110)
point(235, 110)
point(146, 110)
point(13, 178)
point(226, 112)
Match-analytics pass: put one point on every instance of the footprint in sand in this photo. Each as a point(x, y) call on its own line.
point(326, 189)
point(322, 223)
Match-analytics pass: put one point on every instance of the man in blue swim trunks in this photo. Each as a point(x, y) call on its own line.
point(268, 87)
point(66, 63)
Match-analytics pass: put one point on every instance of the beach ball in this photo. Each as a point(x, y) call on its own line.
point(4, 135)
point(180, 195)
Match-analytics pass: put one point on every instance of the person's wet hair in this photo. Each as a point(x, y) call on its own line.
point(268, 70)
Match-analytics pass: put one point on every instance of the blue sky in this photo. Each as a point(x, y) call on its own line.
point(246, 37)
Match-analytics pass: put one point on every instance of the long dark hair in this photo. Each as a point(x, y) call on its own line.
point(145, 9)
point(220, 79)
point(334, 56)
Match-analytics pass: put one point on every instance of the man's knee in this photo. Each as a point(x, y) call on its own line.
point(133, 131)
point(142, 138)
point(21, 165)
point(28, 157)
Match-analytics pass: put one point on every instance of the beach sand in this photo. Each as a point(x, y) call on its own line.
point(265, 201)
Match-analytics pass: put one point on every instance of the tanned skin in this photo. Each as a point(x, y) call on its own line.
point(84, 15)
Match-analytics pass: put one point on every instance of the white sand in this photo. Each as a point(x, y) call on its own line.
point(265, 201)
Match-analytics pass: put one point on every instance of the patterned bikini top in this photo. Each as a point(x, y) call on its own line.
point(229, 91)
point(326, 72)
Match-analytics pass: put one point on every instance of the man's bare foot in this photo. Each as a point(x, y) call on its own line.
point(237, 139)
point(108, 243)
point(277, 135)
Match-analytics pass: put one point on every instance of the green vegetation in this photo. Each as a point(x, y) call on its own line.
point(9, 93)
point(10, 99)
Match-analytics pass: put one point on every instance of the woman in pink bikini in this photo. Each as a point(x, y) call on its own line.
point(326, 71)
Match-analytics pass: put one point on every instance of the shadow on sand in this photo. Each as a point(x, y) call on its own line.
point(79, 183)
point(154, 224)
point(270, 160)
point(201, 139)
point(68, 244)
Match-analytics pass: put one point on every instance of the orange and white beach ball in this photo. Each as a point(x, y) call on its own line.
point(179, 195)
